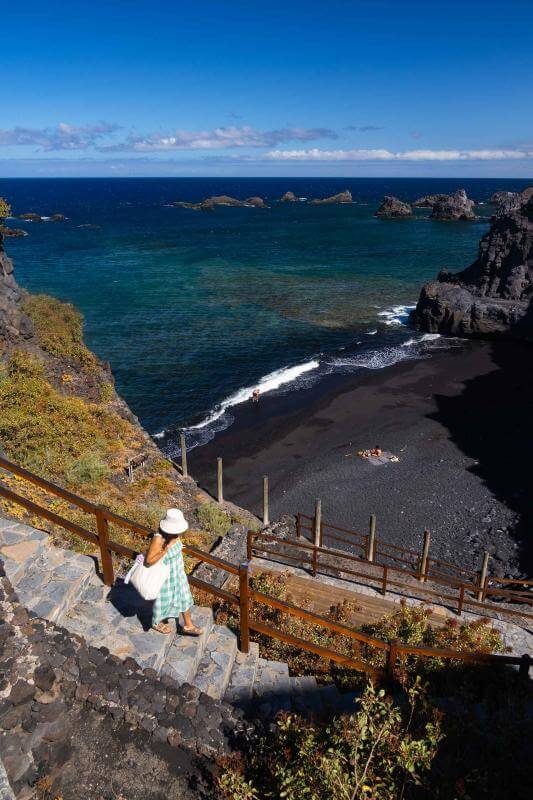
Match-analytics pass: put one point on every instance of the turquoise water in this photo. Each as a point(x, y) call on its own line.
point(190, 308)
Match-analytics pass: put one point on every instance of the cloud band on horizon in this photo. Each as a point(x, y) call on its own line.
point(316, 155)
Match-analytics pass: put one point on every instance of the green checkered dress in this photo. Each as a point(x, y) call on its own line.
point(175, 595)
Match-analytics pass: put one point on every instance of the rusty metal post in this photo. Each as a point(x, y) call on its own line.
point(371, 541)
point(244, 605)
point(102, 527)
point(266, 519)
point(298, 526)
point(183, 448)
point(483, 576)
point(249, 537)
point(424, 561)
point(220, 492)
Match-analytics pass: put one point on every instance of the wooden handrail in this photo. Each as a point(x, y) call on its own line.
point(104, 516)
point(462, 587)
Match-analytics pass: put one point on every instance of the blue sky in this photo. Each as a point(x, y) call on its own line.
point(279, 88)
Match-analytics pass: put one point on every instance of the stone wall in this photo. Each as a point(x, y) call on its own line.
point(53, 687)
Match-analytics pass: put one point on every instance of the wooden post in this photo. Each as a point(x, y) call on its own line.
point(265, 500)
point(384, 582)
point(298, 526)
point(392, 657)
point(244, 605)
point(130, 471)
point(102, 527)
point(371, 541)
point(461, 600)
point(525, 663)
point(220, 493)
point(483, 576)
point(424, 561)
point(317, 532)
point(183, 448)
point(249, 545)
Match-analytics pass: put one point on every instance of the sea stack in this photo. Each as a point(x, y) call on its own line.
point(492, 298)
point(456, 206)
point(289, 197)
point(429, 200)
point(341, 197)
point(393, 208)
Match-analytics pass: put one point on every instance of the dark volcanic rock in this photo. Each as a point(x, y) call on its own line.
point(342, 197)
point(392, 208)
point(210, 203)
point(512, 201)
point(492, 297)
point(31, 217)
point(499, 197)
point(456, 207)
point(16, 232)
point(289, 197)
point(13, 322)
point(429, 200)
point(57, 218)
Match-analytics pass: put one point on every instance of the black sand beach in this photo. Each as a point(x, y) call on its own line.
point(460, 421)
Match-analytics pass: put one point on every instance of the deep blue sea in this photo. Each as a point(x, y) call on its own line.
point(193, 309)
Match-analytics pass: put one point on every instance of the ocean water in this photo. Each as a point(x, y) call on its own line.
point(195, 309)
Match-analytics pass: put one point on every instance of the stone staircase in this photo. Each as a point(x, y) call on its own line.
point(63, 587)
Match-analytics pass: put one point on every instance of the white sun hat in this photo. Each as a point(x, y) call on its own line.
point(174, 522)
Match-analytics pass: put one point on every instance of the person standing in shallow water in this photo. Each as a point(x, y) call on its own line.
point(175, 597)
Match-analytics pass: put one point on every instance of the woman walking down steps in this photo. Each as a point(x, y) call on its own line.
point(175, 597)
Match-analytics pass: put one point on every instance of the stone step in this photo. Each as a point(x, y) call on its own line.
point(185, 653)
point(272, 687)
point(120, 620)
point(242, 678)
point(19, 546)
point(214, 670)
point(53, 581)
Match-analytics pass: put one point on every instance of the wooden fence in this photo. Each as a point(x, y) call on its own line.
point(389, 561)
point(246, 597)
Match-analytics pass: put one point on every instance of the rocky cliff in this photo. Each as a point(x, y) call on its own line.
point(393, 208)
point(492, 297)
point(14, 323)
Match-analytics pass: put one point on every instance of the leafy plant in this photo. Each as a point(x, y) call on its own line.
point(87, 468)
point(376, 753)
point(214, 519)
point(5, 208)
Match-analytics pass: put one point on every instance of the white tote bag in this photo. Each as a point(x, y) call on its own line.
point(148, 580)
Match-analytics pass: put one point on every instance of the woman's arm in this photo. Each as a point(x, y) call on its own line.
point(156, 551)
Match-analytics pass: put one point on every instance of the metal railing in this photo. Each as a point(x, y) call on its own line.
point(246, 596)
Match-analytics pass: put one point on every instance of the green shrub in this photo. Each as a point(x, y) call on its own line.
point(59, 328)
point(107, 392)
point(88, 468)
point(5, 208)
point(214, 519)
point(377, 753)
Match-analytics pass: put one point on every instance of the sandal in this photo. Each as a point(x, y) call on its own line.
point(162, 627)
point(194, 631)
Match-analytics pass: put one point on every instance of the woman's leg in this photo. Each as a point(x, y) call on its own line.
point(162, 626)
point(188, 624)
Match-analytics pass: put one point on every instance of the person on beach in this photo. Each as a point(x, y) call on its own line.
point(255, 396)
point(376, 451)
point(175, 597)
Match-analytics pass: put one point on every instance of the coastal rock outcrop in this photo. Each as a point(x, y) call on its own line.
point(210, 203)
point(429, 200)
point(393, 208)
point(13, 322)
point(289, 197)
point(15, 232)
point(341, 197)
point(456, 206)
point(493, 296)
point(507, 202)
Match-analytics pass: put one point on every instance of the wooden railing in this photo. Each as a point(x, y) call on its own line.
point(388, 561)
point(246, 596)
point(324, 560)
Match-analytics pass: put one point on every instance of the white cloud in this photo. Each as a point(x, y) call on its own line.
point(315, 154)
point(218, 139)
point(62, 137)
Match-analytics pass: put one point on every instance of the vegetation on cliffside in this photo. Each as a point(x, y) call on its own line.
point(61, 418)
